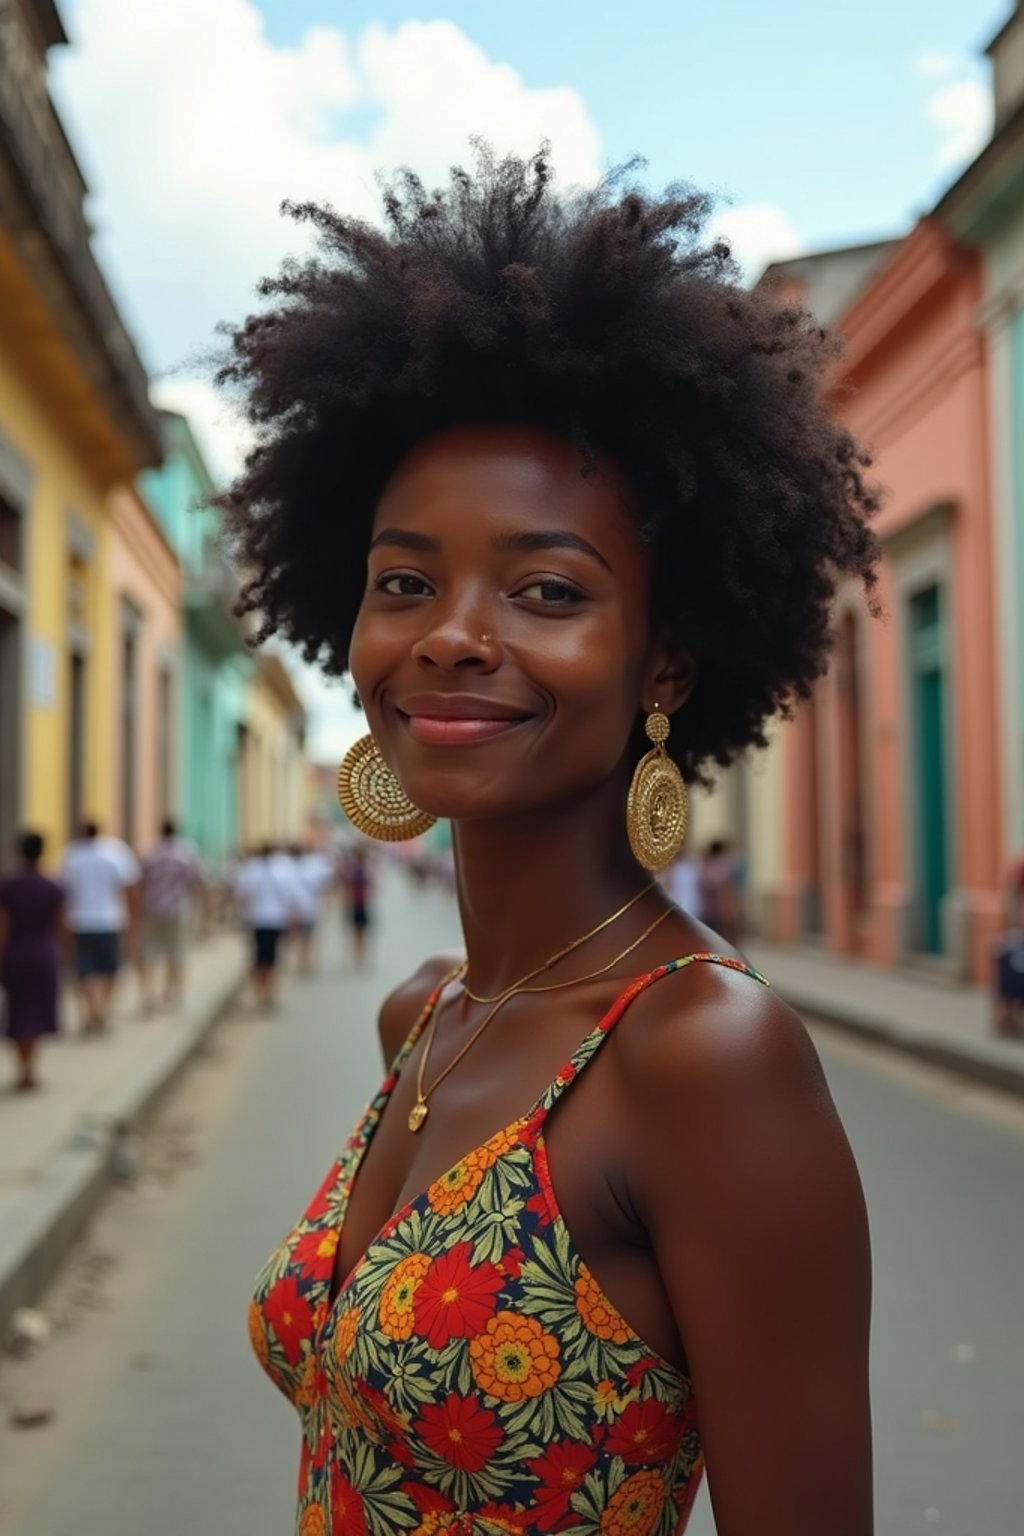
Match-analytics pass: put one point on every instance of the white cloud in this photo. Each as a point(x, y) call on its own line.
point(193, 127)
point(223, 436)
point(962, 111)
point(937, 63)
point(758, 233)
point(958, 104)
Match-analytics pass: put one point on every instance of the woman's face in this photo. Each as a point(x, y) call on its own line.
point(503, 647)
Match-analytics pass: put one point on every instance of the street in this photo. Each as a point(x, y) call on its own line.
point(163, 1422)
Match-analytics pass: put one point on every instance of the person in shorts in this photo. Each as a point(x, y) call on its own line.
point(171, 877)
point(271, 902)
point(100, 877)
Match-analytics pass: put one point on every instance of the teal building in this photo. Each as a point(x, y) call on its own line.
point(216, 664)
point(985, 209)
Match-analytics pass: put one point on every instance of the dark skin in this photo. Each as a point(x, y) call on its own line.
point(699, 1162)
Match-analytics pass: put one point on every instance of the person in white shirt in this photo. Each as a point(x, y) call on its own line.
point(270, 898)
point(315, 871)
point(100, 876)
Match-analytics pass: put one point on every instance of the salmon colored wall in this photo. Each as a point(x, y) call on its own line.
point(914, 391)
point(144, 569)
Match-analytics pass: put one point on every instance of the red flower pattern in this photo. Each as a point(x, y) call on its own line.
point(348, 1517)
point(460, 1431)
point(561, 1469)
point(645, 1433)
point(289, 1315)
point(617, 1427)
point(455, 1298)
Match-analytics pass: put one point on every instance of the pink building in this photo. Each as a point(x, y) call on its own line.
point(147, 597)
point(891, 842)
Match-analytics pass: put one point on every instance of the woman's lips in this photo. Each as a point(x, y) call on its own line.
point(445, 731)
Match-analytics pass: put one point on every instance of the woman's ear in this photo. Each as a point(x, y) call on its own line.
point(671, 679)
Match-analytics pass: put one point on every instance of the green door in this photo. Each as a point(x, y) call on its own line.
point(928, 693)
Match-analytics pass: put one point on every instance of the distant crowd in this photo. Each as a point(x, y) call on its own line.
point(108, 906)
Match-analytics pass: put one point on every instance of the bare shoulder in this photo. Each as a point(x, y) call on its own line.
point(717, 1073)
point(710, 1029)
point(402, 1007)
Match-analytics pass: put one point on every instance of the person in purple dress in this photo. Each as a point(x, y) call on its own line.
point(31, 915)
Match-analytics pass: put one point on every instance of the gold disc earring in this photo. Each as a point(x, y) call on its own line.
point(372, 798)
point(656, 809)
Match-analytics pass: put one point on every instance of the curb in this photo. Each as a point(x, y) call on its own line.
point(995, 1063)
point(55, 1212)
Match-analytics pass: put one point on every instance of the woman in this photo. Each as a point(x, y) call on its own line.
point(31, 916)
point(720, 901)
point(357, 893)
point(550, 485)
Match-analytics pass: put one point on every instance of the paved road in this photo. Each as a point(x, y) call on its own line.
point(164, 1424)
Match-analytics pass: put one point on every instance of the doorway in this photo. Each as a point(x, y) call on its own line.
point(930, 809)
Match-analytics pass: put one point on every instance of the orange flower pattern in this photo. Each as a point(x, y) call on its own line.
point(471, 1378)
point(397, 1298)
point(514, 1358)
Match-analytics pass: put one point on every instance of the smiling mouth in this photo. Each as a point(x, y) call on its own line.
point(458, 731)
point(457, 720)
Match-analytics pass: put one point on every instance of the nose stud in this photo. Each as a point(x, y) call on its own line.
point(485, 639)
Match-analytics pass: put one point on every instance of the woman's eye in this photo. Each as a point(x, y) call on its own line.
point(551, 592)
point(402, 584)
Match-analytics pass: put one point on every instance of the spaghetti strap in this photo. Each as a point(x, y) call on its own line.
point(589, 1047)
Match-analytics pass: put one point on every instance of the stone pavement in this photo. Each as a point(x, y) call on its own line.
point(61, 1147)
point(921, 1014)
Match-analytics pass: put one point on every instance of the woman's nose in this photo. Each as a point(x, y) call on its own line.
point(463, 641)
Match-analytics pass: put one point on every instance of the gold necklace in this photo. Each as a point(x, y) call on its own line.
point(420, 1109)
point(554, 959)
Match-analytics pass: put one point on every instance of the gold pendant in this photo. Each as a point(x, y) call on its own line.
point(418, 1114)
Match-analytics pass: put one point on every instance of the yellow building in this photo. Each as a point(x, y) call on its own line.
point(75, 422)
point(275, 785)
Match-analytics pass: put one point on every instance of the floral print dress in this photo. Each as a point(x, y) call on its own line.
point(470, 1378)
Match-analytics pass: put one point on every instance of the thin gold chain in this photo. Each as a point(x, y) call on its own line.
point(419, 1110)
point(554, 959)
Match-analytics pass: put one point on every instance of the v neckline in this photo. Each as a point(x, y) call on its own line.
point(369, 1124)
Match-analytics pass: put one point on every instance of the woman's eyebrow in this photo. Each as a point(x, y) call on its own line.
point(401, 538)
point(554, 538)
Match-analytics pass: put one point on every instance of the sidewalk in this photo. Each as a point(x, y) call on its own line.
point(923, 1016)
point(59, 1148)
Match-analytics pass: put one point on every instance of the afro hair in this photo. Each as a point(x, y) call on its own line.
point(604, 317)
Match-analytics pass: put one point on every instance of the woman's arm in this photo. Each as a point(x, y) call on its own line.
point(755, 1210)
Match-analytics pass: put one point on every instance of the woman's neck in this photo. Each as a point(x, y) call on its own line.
point(529, 886)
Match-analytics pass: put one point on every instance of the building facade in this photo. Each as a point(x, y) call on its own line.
point(985, 209)
point(275, 782)
point(216, 664)
point(75, 423)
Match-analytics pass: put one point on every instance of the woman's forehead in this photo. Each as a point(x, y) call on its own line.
point(521, 473)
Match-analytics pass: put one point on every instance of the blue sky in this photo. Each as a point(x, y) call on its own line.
point(816, 107)
point(818, 125)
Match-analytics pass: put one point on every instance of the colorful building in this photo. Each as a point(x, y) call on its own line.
point(985, 209)
point(216, 664)
point(276, 786)
point(874, 825)
point(75, 423)
point(146, 589)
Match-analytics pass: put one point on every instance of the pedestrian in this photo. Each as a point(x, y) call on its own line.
point(314, 872)
point(100, 876)
point(270, 899)
point(720, 890)
point(570, 505)
point(682, 882)
point(31, 919)
point(171, 879)
point(356, 887)
point(1009, 957)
